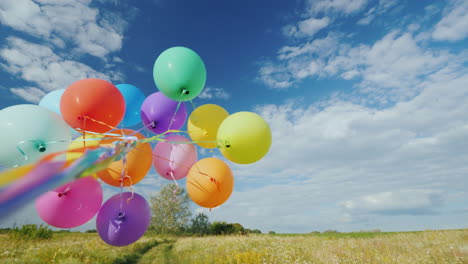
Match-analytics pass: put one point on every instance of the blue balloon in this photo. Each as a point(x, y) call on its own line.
point(133, 100)
point(51, 101)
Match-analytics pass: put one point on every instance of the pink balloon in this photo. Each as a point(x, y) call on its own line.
point(174, 157)
point(71, 204)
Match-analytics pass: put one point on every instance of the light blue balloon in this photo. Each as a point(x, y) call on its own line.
point(28, 132)
point(133, 100)
point(51, 101)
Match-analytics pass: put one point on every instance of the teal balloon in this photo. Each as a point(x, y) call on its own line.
point(179, 73)
point(29, 132)
point(134, 98)
point(51, 101)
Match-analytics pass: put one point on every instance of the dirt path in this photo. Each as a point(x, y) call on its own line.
point(161, 253)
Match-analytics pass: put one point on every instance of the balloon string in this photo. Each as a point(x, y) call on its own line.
point(25, 157)
point(100, 122)
point(169, 160)
point(193, 105)
point(173, 116)
point(174, 196)
point(130, 189)
point(122, 177)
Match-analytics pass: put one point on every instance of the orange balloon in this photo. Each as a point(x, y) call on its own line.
point(210, 182)
point(138, 162)
point(92, 105)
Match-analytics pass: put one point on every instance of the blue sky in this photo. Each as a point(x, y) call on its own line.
point(367, 100)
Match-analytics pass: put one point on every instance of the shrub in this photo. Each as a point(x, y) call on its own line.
point(31, 232)
point(271, 232)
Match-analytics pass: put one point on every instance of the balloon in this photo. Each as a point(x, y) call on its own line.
point(123, 219)
point(176, 158)
point(71, 204)
point(179, 73)
point(92, 105)
point(210, 182)
point(203, 124)
point(245, 137)
point(51, 101)
point(79, 145)
point(138, 162)
point(133, 100)
point(29, 132)
point(157, 112)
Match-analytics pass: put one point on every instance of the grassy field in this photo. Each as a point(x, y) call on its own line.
point(449, 246)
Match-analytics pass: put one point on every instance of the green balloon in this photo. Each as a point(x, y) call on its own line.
point(179, 73)
point(244, 137)
point(28, 132)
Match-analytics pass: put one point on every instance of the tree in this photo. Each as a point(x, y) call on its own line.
point(171, 210)
point(200, 224)
point(238, 229)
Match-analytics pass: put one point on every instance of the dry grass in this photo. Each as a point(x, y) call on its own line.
point(62, 248)
point(423, 247)
point(417, 247)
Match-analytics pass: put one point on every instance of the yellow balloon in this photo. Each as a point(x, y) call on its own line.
point(245, 137)
point(203, 124)
point(92, 141)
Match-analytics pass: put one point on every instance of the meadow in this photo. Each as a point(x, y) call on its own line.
point(449, 246)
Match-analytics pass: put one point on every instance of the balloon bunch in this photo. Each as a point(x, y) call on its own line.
point(62, 175)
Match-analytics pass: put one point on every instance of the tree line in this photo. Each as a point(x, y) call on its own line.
point(172, 215)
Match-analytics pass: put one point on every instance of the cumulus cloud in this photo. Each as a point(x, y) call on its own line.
point(412, 202)
point(391, 67)
point(40, 65)
point(380, 8)
point(66, 22)
point(307, 28)
point(355, 165)
point(214, 93)
point(336, 6)
point(454, 23)
point(30, 94)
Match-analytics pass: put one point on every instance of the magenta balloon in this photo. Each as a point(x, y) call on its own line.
point(174, 157)
point(157, 112)
point(122, 219)
point(71, 204)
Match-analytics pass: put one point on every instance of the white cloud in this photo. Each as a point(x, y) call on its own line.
point(377, 10)
point(329, 162)
point(307, 28)
point(214, 93)
point(40, 65)
point(395, 203)
point(30, 94)
point(454, 24)
point(388, 70)
point(337, 6)
point(61, 22)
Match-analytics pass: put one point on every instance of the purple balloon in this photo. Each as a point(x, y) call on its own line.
point(122, 220)
point(157, 112)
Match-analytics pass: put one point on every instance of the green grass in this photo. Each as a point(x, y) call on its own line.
point(450, 246)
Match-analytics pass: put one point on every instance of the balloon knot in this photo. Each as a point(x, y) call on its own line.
point(60, 194)
point(186, 92)
point(154, 124)
point(121, 215)
point(42, 148)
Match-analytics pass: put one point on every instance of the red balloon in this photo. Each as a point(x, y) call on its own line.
point(92, 105)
